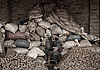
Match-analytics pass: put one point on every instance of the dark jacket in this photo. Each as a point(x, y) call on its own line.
point(50, 44)
point(55, 55)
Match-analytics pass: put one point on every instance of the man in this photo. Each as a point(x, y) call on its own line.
point(53, 48)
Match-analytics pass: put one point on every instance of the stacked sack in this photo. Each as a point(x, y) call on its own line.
point(32, 35)
point(2, 37)
point(25, 38)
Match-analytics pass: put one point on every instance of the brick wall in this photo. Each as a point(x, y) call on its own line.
point(79, 10)
point(3, 10)
point(21, 8)
point(94, 17)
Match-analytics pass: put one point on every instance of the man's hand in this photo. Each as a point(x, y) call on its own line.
point(55, 48)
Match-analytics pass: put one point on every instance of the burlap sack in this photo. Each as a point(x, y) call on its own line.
point(85, 43)
point(1, 25)
point(14, 36)
point(38, 20)
point(65, 31)
point(3, 30)
point(11, 27)
point(44, 41)
point(35, 13)
point(69, 44)
point(92, 38)
point(34, 52)
point(63, 14)
point(1, 51)
point(22, 28)
point(63, 38)
point(64, 51)
point(34, 44)
point(30, 35)
point(44, 24)
point(9, 43)
point(32, 16)
point(42, 48)
point(36, 37)
point(70, 26)
point(48, 32)
point(49, 20)
point(22, 43)
point(55, 29)
point(31, 26)
point(21, 50)
point(40, 31)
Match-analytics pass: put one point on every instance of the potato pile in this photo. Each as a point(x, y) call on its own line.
point(80, 59)
point(15, 61)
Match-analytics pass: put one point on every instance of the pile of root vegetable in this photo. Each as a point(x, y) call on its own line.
point(17, 61)
point(80, 59)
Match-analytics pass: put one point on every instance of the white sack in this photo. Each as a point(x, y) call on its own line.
point(69, 44)
point(35, 52)
point(82, 30)
point(93, 38)
point(38, 20)
point(85, 43)
point(64, 51)
point(3, 30)
point(22, 28)
point(0, 48)
point(31, 26)
point(20, 50)
point(55, 29)
point(36, 37)
point(63, 38)
point(65, 31)
point(48, 32)
point(42, 48)
point(1, 25)
point(44, 24)
point(9, 43)
point(44, 41)
point(34, 44)
point(11, 27)
point(40, 31)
